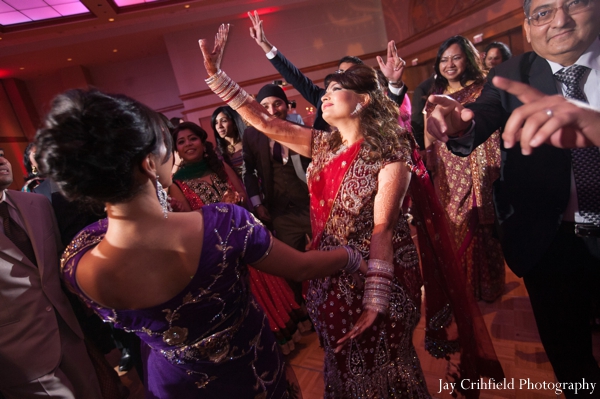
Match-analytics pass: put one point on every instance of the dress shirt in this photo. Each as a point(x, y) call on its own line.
point(590, 82)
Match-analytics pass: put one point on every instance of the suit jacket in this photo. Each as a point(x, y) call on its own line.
point(532, 192)
point(310, 91)
point(258, 172)
point(30, 296)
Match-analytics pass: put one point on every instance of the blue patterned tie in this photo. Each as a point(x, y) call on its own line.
point(585, 161)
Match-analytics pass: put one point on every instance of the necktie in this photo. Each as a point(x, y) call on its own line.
point(16, 233)
point(277, 152)
point(585, 161)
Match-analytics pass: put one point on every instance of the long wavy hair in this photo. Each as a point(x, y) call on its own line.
point(238, 124)
point(473, 71)
point(379, 118)
point(210, 155)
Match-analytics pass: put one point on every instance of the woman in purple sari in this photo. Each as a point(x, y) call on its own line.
point(178, 280)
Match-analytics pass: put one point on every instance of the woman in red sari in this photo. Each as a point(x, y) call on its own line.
point(357, 179)
point(203, 179)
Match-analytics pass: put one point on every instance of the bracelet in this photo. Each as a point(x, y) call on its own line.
point(227, 89)
point(378, 285)
point(354, 259)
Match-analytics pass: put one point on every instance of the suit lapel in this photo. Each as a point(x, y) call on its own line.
point(264, 149)
point(27, 211)
point(540, 76)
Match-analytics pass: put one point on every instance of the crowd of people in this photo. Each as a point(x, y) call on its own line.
point(199, 251)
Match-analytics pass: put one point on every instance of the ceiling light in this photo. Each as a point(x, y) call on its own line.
point(186, 6)
point(111, 20)
point(22, 68)
point(115, 50)
point(69, 59)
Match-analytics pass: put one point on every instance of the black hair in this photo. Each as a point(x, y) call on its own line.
point(175, 121)
point(92, 144)
point(239, 125)
point(27, 162)
point(350, 59)
point(503, 48)
point(473, 71)
point(213, 160)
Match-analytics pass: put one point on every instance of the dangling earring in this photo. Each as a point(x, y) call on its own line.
point(162, 197)
point(359, 106)
point(34, 170)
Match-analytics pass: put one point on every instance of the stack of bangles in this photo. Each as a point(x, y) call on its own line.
point(354, 259)
point(227, 89)
point(378, 285)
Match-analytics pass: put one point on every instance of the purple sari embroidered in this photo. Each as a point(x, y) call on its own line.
point(211, 340)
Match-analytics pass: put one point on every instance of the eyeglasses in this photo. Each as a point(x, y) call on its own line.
point(546, 15)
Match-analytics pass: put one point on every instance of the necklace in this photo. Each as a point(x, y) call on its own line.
point(450, 90)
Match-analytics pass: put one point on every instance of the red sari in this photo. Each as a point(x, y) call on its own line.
point(271, 292)
point(382, 362)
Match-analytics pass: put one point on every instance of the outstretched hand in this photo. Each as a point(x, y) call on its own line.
point(258, 33)
point(212, 59)
point(393, 67)
point(448, 119)
point(366, 320)
point(548, 119)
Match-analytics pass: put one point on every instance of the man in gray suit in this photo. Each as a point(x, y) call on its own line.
point(41, 344)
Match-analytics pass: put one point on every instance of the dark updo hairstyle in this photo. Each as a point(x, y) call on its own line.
point(379, 118)
point(92, 144)
point(473, 71)
point(210, 155)
point(238, 124)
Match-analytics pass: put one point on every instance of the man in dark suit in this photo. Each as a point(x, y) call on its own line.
point(275, 177)
point(42, 353)
point(549, 226)
point(392, 69)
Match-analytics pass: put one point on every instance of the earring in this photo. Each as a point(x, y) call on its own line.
point(162, 197)
point(34, 170)
point(358, 108)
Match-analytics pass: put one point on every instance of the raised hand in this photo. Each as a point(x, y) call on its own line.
point(212, 59)
point(542, 119)
point(393, 67)
point(448, 119)
point(258, 33)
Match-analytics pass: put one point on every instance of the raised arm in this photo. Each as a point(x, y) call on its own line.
point(393, 69)
point(296, 137)
point(310, 91)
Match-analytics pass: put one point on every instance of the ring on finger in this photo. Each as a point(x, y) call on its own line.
point(549, 113)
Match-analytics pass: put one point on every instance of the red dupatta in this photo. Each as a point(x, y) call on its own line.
point(327, 182)
point(447, 292)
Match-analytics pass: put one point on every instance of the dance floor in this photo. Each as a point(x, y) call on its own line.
point(514, 334)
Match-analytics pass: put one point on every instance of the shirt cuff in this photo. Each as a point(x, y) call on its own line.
point(271, 54)
point(395, 90)
point(255, 199)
